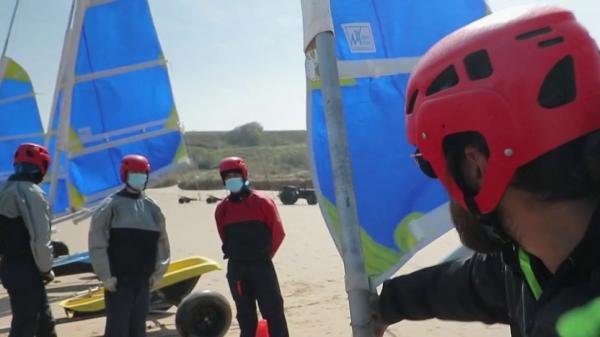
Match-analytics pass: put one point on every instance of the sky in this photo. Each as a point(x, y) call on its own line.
point(230, 61)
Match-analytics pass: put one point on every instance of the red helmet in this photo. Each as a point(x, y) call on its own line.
point(526, 79)
point(33, 154)
point(233, 163)
point(134, 162)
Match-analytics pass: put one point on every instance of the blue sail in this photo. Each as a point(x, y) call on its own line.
point(120, 103)
point(378, 42)
point(19, 115)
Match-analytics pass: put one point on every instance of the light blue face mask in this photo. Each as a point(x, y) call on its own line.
point(234, 185)
point(137, 181)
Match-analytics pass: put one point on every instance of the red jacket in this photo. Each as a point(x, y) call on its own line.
point(249, 228)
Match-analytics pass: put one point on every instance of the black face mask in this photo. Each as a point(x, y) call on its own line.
point(481, 233)
point(28, 172)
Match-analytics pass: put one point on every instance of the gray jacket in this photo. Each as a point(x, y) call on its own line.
point(27, 200)
point(122, 213)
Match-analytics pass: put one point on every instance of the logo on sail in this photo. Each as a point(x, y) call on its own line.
point(359, 37)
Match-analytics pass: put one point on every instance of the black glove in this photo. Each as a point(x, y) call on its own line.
point(48, 277)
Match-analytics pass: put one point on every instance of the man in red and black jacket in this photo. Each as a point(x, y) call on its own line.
point(251, 232)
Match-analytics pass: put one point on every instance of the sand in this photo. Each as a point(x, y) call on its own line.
point(309, 268)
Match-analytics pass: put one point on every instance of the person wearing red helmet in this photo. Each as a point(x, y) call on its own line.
point(506, 113)
point(251, 231)
point(129, 250)
point(25, 246)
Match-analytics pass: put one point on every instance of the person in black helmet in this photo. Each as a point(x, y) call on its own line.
point(251, 231)
point(25, 244)
point(505, 112)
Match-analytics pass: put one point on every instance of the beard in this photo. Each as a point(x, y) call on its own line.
point(473, 232)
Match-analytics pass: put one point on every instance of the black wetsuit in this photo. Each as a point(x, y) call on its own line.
point(511, 287)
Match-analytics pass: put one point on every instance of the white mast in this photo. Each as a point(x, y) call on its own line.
point(66, 82)
point(318, 30)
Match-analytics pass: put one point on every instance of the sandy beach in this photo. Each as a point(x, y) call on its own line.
point(309, 267)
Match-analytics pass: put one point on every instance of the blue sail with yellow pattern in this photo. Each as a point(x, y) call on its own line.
point(19, 116)
point(377, 43)
point(113, 98)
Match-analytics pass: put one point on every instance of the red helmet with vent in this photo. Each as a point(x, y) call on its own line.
point(526, 79)
point(233, 164)
point(134, 162)
point(33, 154)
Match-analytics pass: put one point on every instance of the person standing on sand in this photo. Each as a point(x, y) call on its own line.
point(506, 113)
point(251, 231)
point(25, 247)
point(129, 249)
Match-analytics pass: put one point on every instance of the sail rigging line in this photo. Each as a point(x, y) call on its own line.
point(10, 26)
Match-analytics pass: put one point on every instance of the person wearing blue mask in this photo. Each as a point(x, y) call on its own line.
point(129, 250)
point(251, 231)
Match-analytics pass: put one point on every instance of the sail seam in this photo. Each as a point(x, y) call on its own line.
point(376, 67)
point(94, 3)
point(119, 132)
point(15, 137)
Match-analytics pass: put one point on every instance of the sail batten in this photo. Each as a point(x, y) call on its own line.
point(16, 98)
point(120, 70)
point(124, 141)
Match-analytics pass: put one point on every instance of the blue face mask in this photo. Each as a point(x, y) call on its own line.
point(234, 185)
point(137, 181)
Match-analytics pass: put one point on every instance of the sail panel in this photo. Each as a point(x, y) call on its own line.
point(121, 102)
point(19, 116)
point(399, 209)
point(116, 34)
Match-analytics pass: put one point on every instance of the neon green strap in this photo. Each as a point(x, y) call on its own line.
point(529, 275)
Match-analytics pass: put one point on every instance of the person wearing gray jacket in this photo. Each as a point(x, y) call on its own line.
point(25, 246)
point(129, 250)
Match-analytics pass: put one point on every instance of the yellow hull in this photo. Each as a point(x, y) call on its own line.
point(178, 271)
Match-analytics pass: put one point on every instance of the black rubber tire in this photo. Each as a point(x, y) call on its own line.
point(203, 314)
point(288, 196)
point(59, 248)
point(311, 199)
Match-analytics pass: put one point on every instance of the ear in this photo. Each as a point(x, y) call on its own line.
point(474, 167)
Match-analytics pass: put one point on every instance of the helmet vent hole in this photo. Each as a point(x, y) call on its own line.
point(551, 42)
point(411, 103)
point(445, 80)
point(558, 87)
point(29, 153)
point(478, 65)
point(534, 33)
